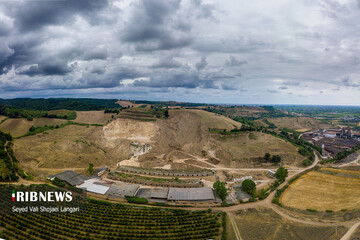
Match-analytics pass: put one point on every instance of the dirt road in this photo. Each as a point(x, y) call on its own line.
point(236, 229)
point(350, 232)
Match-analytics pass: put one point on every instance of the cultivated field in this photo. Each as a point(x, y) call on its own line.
point(112, 221)
point(246, 149)
point(93, 117)
point(327, 189)
point(19, 126)
point(259, 224)
point(298, 123)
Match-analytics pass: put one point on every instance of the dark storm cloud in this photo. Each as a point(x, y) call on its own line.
point(22, 53)
point(33, 15)
point(202, 64)
point(167, 62)
point(46, 69)
point(5, 28)
point(186, 49)
point(153, 26)
point(177, 81)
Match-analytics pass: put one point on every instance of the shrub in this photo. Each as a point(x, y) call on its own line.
point(220, 190)
point(248, 186)
point(137, 200)
point(262, 194)
point(58, 182)
point(281, 173)
point(276, 159)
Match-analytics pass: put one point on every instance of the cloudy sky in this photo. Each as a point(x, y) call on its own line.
point(232, 51)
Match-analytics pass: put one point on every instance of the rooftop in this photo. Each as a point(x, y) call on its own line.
point(123, 189)
point(191, 194)
point(159, 193)
point(241, 195)
point(92, 185)
point(71, 177)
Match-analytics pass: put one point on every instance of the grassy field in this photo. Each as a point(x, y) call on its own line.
point(69, 147)
point(244, 149)
point(356, 235)
point(298, 123)
point(93, 117)
point(327, 189)
point(216, 121)
point(2, 118)
point(260, 224)
point(16, 126)
point(19, 126)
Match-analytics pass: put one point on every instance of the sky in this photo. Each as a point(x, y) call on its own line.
point(232, 51)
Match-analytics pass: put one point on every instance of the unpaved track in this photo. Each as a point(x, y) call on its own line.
point(216, 167)
point(236, 230)
point(350, 232)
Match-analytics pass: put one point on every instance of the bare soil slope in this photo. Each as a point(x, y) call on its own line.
point(92, 117)
point(248, 149)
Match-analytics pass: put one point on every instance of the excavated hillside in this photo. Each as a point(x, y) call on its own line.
point(179, 142)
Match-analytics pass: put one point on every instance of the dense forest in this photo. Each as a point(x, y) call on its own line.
point(78, 104)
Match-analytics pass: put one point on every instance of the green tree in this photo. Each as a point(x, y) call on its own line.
point(31, 129)
point(267, 156)
point(281, 173)
point(276, 159)
point(90, 169)
point(220, 190)
point(248, 186)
